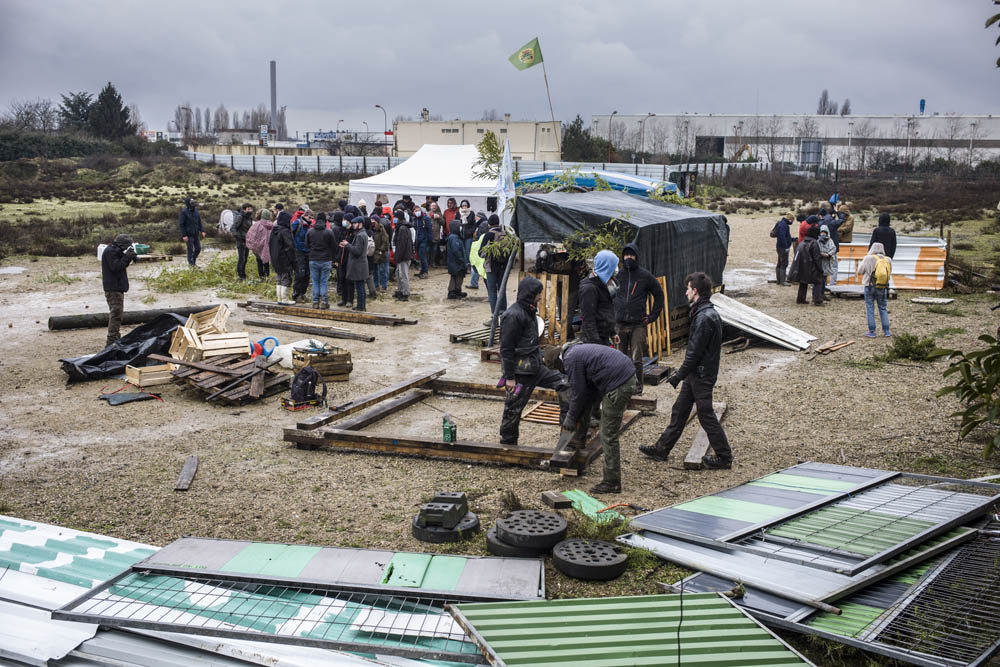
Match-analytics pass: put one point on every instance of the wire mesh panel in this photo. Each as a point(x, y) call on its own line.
point(410, 626)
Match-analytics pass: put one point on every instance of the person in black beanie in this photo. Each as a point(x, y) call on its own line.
point(114, 260)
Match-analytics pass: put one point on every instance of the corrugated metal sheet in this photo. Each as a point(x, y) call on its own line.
point(707, 629)
point(917, 264)
point(28, 635)
point(760, 324)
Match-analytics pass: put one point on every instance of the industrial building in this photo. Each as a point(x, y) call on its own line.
point(851, 141)
point(529, 140)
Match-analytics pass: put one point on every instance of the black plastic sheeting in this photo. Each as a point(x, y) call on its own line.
point(130, 350)
point(673, 240)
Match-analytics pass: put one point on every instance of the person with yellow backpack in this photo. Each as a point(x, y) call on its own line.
point(876, 272)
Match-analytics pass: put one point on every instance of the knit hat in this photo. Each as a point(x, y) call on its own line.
point(813, 232)
point(605, 264)
point(123, 240)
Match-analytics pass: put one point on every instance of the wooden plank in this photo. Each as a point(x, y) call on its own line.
point(195, 364)
point(331, 314)
point(699, 447)
point(365, 401)
point(257, 383)
point(641, 403)
point(564, 315)
point(315, 330)
point(187, 474)
point(579, 460)
point(384, 409)
point(551, 285)
point(462, 450)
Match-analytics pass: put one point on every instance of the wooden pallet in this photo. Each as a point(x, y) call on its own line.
point(480, 337)
point(153, 258)
point(654, 373)
point(553, 307)
point(490, 354)
point(541, 412)
point(234, 379)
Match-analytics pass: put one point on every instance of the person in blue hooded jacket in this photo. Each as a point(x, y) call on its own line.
point(597, 310)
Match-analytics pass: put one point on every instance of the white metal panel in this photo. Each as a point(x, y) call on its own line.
point(753, 321)
point(30, 636)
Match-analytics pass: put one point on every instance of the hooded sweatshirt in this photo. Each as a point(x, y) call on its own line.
point(189, 220)
point(403, 240)
point(257, 239)
point(457, 259)
point(520, 353)
point(867, 267)
point(635, 286)
point(885, 235)
point(828, 251)
point(597, 311)
point(321, 243)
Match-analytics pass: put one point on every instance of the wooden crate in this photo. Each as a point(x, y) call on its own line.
point(148, 376)
point(333, 364)
point(211, 321)
point(185, 345)
point(218, 344)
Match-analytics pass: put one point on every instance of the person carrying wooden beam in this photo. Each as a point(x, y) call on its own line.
point(635, 286)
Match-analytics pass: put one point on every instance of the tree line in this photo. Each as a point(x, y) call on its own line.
point(201, 125)
point(103, 117)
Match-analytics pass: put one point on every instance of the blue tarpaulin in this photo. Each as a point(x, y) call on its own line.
point(635, 185)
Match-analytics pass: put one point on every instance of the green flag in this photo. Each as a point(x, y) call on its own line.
point(528, 55)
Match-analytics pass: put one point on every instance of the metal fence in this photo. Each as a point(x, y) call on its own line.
point(367, 165)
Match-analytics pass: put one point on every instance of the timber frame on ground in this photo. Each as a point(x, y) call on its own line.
point(314, 432)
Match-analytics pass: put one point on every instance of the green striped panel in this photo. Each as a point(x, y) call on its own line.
point(818, 485)
point(850, 623)
point(855, 531)
point(731, 508)
point(277, 560)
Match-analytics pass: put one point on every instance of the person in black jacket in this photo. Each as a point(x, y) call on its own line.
point(322, 248)
point(807, 269)
point(521, 360)
point(114, 260)
point(885, 235)
point(282, 247)
point(597, 309)
point(699, 371)
point(598, 373)
point(241, 226)
point(457, 260)
point(636, 285)
point(191, 229)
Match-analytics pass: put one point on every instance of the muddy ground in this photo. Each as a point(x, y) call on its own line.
point(69, 459)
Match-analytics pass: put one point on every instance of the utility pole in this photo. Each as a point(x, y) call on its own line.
point(642, 129)
point(385, 127)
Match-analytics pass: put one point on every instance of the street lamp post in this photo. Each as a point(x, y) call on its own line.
point(611, 122)
point(367, 133)
point(340, 143)
point(385, 127)
point(642, 129)
point(906, 155)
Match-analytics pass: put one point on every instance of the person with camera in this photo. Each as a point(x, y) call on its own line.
point(114, 260)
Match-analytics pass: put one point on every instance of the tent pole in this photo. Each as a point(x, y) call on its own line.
point(551, 112)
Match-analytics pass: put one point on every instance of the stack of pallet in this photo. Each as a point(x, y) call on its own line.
point(234, 379)
point(205, 336)
point(332, 363)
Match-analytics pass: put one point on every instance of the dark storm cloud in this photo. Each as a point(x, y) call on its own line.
point(337, 60)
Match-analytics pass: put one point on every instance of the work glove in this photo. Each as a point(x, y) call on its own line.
point(674, 380)
point(130, 252)
point(645, 319)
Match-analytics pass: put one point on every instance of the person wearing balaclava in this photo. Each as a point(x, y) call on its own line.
point(635, 286)
point(192, 231)
point(828, 253)
point(521, 360)
point(807, 269)
point(597, 310)
point(114, 260)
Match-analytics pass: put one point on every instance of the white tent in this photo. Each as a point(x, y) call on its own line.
point(444, 171)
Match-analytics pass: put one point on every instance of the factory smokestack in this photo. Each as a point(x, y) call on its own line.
point(274, 96)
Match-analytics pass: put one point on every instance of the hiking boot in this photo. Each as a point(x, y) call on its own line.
point(325, 305)
point(462, 295)
point(606, 487)
point(316, 305)
point(715, 463)
point(660, 454)
point(404, 297)
point(341, 304)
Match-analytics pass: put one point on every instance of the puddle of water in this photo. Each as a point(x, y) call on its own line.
point(11, 270)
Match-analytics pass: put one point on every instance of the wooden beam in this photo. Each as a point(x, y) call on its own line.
point(463, 450)
point(312, 330)
point(700, 445)
point(212, 368)
point(383, 410)
point(644, 405)
point(187, 474)
point(357, 317)
point(359, 404)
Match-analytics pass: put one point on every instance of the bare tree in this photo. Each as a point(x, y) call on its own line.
point(38, 115)
point(845, 108)
point(136, 118)
point(490, 114)
point(657, 137)
point(861, 138)
point(282, 128)
point(197, 120)
point(771, 130)
point(808, 128)
point(220, 120)
point(207, 116)
point(824, 103)
point(180, 116)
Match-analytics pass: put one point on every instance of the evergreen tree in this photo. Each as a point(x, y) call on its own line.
point(109, 118)
point(75, 111)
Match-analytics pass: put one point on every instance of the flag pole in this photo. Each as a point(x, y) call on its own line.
point(552, 113)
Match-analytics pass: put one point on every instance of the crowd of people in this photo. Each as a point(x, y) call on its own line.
point(360, 250)
point(816, 249)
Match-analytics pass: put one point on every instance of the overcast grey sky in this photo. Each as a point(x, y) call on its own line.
point(336, 60)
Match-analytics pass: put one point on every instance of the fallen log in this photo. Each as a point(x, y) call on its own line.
point(312, 330)
point(95, 320)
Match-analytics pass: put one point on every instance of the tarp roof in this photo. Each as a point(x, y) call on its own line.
point(432, 170)
point(636, 185)
point(673, 240)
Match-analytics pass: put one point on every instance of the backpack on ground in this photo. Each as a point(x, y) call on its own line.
point(226, 219)
point(882, 272)
point(304, 387)
point(371, 247)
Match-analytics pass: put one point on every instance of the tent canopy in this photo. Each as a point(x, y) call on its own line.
point(673, 240)
point(433, 170)
point(635, 185)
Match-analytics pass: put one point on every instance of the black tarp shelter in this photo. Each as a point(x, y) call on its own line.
point(673, 240)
